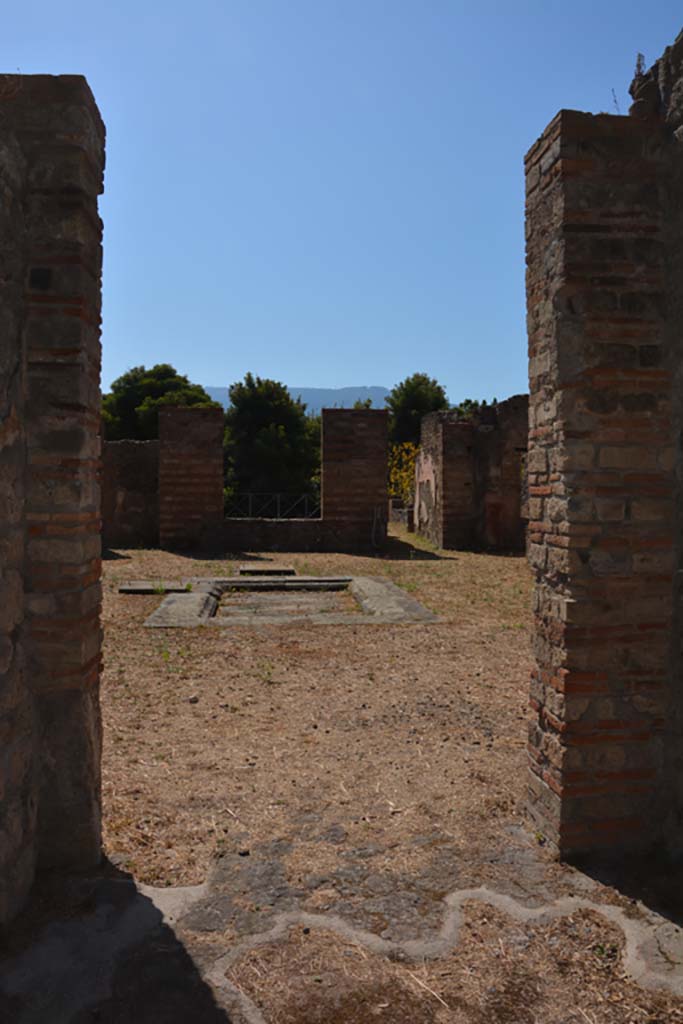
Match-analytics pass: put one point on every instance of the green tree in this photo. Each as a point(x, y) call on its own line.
point(271, 444)
point(470, 408)
point(362, 403)
point(408, 402)
point(131, 409)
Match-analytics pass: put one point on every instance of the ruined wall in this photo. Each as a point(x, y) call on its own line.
point(191, 477)
point(130, 494)
point(51, 165)
point(444, 508)
point(500, 445)
point(171, 492)
point(354, 486)
point(658, 92)
point(468, 478)
point(604, 259)
point(428, 506)
point(354, 500)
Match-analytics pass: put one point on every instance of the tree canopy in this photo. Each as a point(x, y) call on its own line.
point(271, 444)
point(131, 409)
point(408, 402)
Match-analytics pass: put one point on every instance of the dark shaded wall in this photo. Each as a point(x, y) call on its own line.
point(51, 168)
point(245, 534)
point(468, 478)
point(130, 494)
point(191, 477)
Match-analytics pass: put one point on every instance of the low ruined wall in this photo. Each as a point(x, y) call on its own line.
point(130, 494)
point(468, 478)
point(51, 164)
point(245, 534)
point(354, 493)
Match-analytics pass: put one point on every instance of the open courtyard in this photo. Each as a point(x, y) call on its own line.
point(331, 797)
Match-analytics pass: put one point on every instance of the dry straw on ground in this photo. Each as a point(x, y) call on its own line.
point(408, 740)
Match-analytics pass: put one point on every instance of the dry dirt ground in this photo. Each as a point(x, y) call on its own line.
point(332, 785)
point(401, 732)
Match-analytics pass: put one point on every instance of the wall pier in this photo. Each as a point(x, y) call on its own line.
point(191, 477)
point(51, 167)
point(604, 515)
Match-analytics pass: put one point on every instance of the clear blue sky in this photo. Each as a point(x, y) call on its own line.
point(327, 192)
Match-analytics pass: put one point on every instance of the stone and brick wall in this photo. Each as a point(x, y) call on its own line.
point(468, 478)
point(444, 508)
point(130, 494)
point(354, 500)
point(604, 298)
point(658, 92)
point(51, 167)
point(501, 439)
point(354, 485)
point(190, 477)
point(171, 491)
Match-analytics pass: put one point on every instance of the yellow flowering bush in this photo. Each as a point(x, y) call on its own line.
point(402, 471)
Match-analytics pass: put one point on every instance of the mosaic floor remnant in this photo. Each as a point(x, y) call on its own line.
point(120, 951)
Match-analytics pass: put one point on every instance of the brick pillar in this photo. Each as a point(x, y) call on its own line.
point(191, 477)
point(62, 137)
point(601, 475)
point(354, 469)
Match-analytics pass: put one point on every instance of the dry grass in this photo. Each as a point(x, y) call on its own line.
point(567, 972)
point(391, 728)
point(392, 733)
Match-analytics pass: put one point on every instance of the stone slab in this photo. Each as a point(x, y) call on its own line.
point(183, 611)
point(154, 587)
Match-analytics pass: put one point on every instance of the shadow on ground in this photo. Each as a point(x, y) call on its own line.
point(109, 555)
point(654, 880)
point(401, 550)
point(97, 951)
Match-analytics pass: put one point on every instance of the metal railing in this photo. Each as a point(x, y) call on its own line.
point(250, 505)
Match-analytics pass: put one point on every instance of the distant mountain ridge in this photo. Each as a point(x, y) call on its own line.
point(319, 398)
